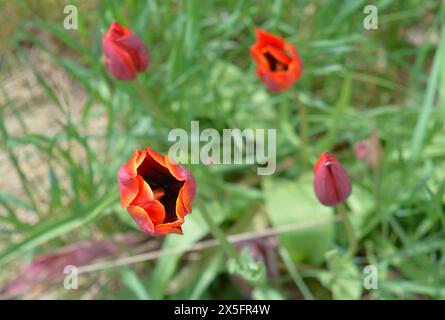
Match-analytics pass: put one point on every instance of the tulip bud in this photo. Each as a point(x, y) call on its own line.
point(370, 150)
point(332, 184)
point(125, 54)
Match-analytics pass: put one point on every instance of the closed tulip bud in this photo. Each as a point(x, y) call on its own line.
point(125, 54)
point(332, 184)
point(370, 150)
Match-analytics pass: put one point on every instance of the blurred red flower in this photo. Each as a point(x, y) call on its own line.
point(46, 269)
point(156, 192)
point(278, 63)
point(370, 150)
point(125, 54)
point(332, 184)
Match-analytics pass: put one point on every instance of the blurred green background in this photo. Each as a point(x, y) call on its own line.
point(66, 126)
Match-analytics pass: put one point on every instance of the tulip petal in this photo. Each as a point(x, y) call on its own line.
point(140, 216)
point(137, 49)
point(116, 30)
point(266, 38)
point(126, 177)
point(172, 227)
point(146, 201)
point(296, 65)
point(176, 170)
point(342, 181)
point(188, 190)
point(188, 193)
point(118, 61)
point(125, 54)
point(332, 184)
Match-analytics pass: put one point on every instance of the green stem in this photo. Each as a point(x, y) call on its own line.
point(219, 234)
point(349, 230)
point(377, 200)
point(151, 106)
point(295, 274)
point(304, 131)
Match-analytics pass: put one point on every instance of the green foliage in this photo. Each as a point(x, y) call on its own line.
point(66, 129)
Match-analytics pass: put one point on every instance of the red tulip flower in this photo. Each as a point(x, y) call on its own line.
point(156, 192)
point(278, 62)
point(125, 54)
point(331, 183)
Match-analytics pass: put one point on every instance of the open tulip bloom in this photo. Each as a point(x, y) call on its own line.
point(278, 62)
point(125, 54)
point(156, 192)
point(332, 184)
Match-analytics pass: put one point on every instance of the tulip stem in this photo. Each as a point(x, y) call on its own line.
point(304, 130)
point(219, 234)
point(349, 230)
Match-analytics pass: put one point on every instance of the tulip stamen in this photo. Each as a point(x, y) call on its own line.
point(158, 193)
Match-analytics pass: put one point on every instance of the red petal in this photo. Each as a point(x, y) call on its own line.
point(188, 193)
point(118, 61)
point(295, 67)
point(188, 190)
point(142, 219)
point(266, 38)
point(137, 50)
point(332, 184)
point(274, 81)
point(116, 31)
point(126, 178)
point(172, 227)
point(145, 200)
point(342, 181)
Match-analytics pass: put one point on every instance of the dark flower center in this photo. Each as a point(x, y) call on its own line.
point(165, 187)
point(168, 200)
point(274, 64)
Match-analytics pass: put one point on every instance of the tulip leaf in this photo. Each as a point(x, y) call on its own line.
point(293, 202)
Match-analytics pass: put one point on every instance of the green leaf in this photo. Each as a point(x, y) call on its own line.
point(428, 104)
point(267, 293)
point(254, 272)
point(207, 276)
point(53, 228)
point(344, 278)
point(289, 202)
point(131, 280)
point(194, 229)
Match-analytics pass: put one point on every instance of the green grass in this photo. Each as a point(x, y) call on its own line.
point(354, 80)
